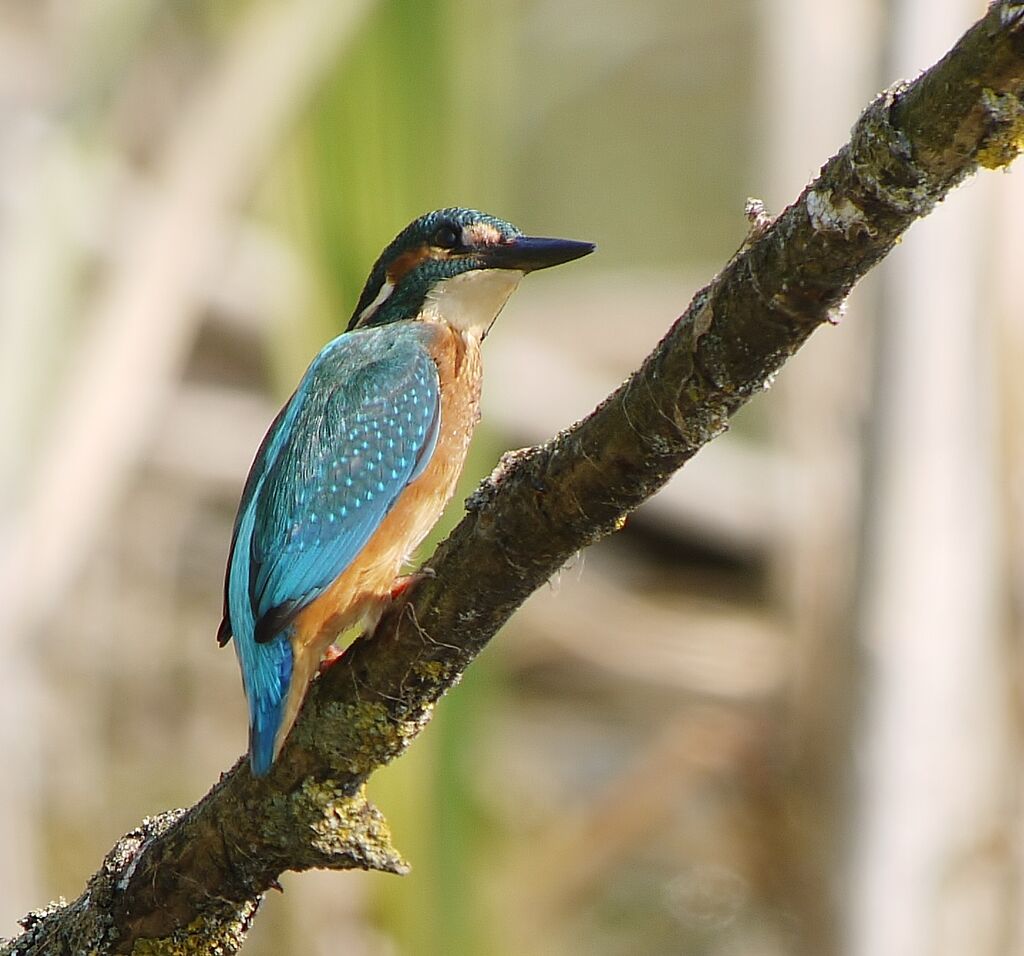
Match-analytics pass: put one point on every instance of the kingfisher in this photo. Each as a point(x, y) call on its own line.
point(361, 461)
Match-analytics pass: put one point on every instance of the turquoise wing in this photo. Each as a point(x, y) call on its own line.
point(361, 426)
point(366, 427)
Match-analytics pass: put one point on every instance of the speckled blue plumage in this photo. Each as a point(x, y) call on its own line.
point(360, 427)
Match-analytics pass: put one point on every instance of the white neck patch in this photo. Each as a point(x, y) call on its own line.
point(470, 301)
point(385, 290)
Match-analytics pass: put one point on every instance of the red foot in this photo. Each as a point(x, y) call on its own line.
point(331, 656)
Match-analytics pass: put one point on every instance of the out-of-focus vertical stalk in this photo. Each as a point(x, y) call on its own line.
point(1007, 237)
point(818, 69)
point(929, 867)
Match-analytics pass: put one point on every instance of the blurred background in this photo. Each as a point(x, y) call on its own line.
point(780, 713)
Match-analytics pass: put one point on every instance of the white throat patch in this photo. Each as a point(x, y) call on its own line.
point(472, 300)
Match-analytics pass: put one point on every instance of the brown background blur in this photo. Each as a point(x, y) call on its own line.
point(778, 714)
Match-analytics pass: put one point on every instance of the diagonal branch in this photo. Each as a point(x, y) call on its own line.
point(198, 874)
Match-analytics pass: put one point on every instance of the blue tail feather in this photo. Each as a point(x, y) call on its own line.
point(268, 673)
point(266, 666)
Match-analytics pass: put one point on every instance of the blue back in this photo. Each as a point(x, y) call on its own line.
point(360, 427)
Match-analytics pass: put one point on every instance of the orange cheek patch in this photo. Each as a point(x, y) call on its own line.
point(406, 262)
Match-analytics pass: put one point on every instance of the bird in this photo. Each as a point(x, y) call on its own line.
point(360, 462)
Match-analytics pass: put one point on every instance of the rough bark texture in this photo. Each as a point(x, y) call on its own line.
point(190, 881)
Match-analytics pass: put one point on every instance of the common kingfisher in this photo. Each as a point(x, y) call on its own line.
point(361, 461)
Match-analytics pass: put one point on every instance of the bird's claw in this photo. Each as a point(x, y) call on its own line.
point(331, 656)
point(402, 584)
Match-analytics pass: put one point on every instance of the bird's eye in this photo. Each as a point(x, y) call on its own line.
point(447, 236)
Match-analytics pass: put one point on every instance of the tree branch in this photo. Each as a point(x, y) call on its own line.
point(194, 878)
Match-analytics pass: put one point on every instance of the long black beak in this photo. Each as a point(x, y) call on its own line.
point(529, 253)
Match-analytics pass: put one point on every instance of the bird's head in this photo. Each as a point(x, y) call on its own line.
point(455, 265)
